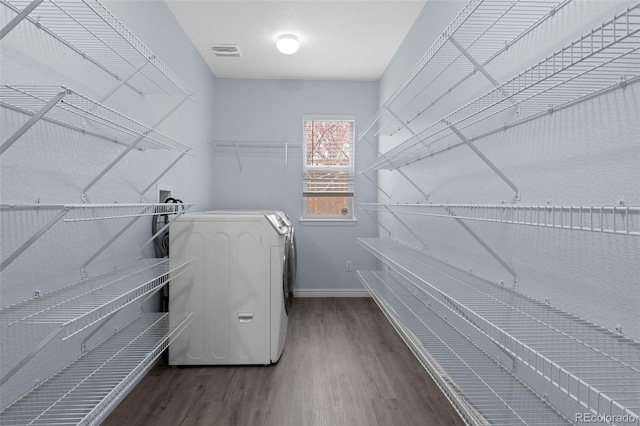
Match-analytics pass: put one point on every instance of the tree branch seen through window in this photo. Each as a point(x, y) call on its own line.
point(328, 168)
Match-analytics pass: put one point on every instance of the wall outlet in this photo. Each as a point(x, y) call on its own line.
point(348, 267)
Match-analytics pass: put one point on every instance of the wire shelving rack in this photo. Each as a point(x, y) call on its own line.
point(90, 30)
point(98, 211)
point(596, 367)
point(73, 308)
point(70, 109)
point(71, 213)
point(87, 389)
point(80, 305)
point(482, 390)
point(257, 147)
point(482, 31)
point(605, 58)
point(622, 220)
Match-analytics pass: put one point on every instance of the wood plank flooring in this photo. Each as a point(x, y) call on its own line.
point(343, 365)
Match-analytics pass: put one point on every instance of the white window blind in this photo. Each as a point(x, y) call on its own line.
point(328, 168)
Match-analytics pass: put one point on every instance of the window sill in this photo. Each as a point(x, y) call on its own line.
point(347, 222)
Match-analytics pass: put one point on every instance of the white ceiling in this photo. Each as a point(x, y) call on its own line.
point(339, 40)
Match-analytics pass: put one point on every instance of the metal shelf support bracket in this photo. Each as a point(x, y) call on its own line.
point(15, 21)
point(238, 156)
point(403, 174)
point(376, 184)
point(108, 243)
point(30, 355)
point(487, 161)
point(161, 230)
point(484, 245)
point(405, 125)
point(164, 172)
point(33, 120)
point(103, 322)
point(123, 81)
point(377, 221)
point(129, 149)
point(147, 297)
point(33, 239)
point(424, 245)
point(480, 68)
point(286, 155)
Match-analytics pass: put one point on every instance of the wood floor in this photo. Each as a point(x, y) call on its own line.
point(343, 364)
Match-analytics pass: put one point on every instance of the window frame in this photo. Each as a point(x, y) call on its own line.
point(335, 218)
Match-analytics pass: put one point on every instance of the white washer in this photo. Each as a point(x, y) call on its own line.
point(237, 289)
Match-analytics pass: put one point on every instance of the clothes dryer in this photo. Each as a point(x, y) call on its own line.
point(239, 288)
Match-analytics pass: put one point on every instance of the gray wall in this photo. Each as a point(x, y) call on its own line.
point(52, 164)
point(584, 155)
point(272, 110)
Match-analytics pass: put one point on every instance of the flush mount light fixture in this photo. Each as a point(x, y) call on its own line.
point(288, 44)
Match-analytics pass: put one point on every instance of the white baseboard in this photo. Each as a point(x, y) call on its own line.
point(338, 292)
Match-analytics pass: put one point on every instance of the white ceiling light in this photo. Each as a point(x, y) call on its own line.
point(288, 44)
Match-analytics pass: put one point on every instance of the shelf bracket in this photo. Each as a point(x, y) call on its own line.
point(373, 122)
point(376, 184)
point(15, 21)
point(31, 354)
point(403, 174)
point(103, 322)
point(108, 243)
point(405, 125)
point(123, 81)
point(238, 156)
point(164, 172)
point(486, 160)
point(110, 166)
point(426, 197)
point(377, 221)
point(161, 230)
point(484, 245)
point(129, 149)
point(424, 246)
point(33, 239)
point(286, 155)
point(33, 120)
point(480, 68)
point(149, 296)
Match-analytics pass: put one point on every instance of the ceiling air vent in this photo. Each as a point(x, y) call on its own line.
point(226, 50)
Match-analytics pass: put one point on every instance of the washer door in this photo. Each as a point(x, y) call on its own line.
point(293, 262)
point(289, 269)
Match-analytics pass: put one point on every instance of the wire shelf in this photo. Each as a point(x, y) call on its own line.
point(598, 368)
point(85, 390)
point(90, 212)
point(605, 58)
point(93, 32)
point(621, 220)
point(473, 380)
point(484, 29)
point(255, 145)
point(258, 148)
point(80, 113)
point(80, 305)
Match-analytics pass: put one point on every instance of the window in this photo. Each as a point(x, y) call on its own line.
point(328, 168)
